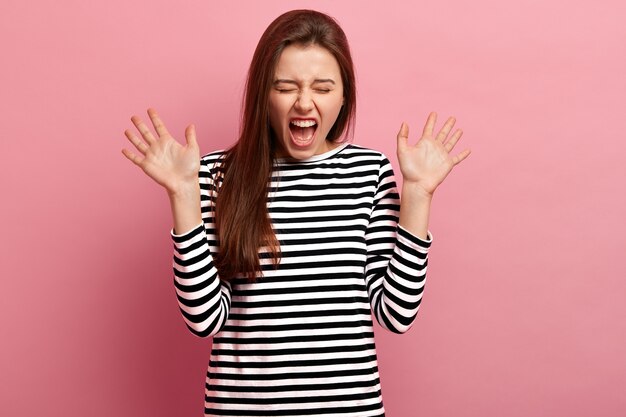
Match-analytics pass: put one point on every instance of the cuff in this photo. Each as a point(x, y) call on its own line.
point(179, 238)
point(414, 240)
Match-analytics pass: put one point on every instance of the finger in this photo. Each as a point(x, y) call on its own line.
point(139, 144)
point(190, 136)
point(453, 140)
point(403, 136)
point(429, 127)
point(445, 130)
point(134, 158)
point(461, 156)
point(143, 129)
point(158, 124)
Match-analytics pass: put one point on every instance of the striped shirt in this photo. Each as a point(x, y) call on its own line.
point(299, 341)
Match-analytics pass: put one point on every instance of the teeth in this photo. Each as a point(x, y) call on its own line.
point(303, 123)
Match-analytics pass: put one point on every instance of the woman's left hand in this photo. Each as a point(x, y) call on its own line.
point(427, 163)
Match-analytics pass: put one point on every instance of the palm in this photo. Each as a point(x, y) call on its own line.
point(164, 159)
point(427, 163)
point(167, 160)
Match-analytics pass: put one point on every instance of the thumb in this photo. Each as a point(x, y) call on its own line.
point(190, 135)
point(403, 136)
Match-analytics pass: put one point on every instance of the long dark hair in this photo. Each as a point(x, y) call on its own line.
point(241, 216)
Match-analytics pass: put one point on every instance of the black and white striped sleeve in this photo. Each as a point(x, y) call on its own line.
point(203, 298)
point(395, 272)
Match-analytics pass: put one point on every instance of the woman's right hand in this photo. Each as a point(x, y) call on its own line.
point(163, 159)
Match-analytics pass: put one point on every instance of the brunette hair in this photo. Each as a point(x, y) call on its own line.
point(242, 221)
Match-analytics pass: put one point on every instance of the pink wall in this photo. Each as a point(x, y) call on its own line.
point(523, 313)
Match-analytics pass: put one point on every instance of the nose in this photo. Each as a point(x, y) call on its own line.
point(304, 103)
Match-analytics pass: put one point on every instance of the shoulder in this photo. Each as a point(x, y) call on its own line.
point(358, 150)
point(357, 161)
point(365, 154)
point(213, 157)
point(211, 163)
point(376, 161)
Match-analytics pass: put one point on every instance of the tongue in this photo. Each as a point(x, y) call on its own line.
point(302, 133)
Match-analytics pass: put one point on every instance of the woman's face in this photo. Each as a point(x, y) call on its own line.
point(305, 100)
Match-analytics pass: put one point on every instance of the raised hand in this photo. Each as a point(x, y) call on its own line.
point(163, 159)
point(427, 163)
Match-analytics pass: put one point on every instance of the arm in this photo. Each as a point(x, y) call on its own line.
point(203, 299)
point(396, 287)
point(395, 272)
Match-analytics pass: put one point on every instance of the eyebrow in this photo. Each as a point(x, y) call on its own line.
point(317, 81)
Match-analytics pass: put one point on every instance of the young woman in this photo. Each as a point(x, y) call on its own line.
point(285, 244)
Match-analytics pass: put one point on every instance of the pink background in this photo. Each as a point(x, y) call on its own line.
point(523, 313)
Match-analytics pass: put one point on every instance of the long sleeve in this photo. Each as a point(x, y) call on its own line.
point(203, 298)
point(397, 260)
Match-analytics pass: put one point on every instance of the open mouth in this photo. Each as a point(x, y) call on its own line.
point(302, 131)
